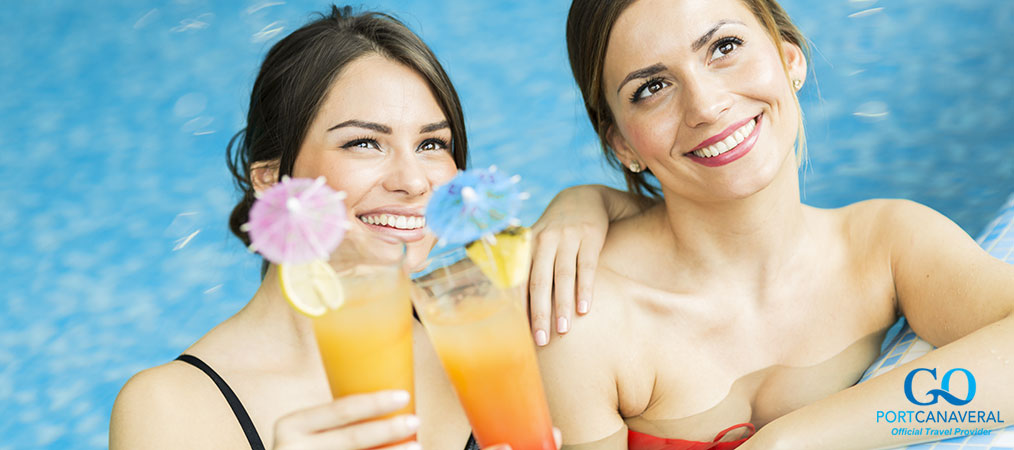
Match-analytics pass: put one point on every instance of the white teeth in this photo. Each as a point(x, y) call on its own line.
point(395, 221)
point(728, 143)
point(731, 141)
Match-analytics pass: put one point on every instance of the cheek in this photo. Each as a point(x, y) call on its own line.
point(651, 134)
point(441, 169)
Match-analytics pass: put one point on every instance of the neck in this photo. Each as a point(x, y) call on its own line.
point(756, 234)
point(281, 321)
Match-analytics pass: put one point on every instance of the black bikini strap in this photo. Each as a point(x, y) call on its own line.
point(234, 403)
point(471, 444)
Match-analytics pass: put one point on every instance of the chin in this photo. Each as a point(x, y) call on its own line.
point(417, 252)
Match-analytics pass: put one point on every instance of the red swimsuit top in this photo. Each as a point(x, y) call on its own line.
point(641, 441)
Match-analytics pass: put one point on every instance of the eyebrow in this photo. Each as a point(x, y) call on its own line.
point(434, 127)
point(361, 124)
point(386, 129)
point(707, 36)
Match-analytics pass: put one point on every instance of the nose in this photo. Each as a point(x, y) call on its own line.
point(704, 101)
point(406, 175)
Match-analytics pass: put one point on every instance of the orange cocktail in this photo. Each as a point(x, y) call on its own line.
point(366, 344)
point(480, 333)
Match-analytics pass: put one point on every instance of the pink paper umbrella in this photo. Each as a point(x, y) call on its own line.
point(297, 220)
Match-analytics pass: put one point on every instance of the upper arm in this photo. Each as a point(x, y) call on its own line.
point(947, 286)
point(159, 409)
point(139, 414)
point(580, 385)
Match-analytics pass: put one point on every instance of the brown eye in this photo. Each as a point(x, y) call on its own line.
point(430, 145)
point(648, 89)
point(363, 143)
point(724, 47)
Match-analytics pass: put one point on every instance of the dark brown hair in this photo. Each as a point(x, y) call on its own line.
point(295, 78)
point(589, 25)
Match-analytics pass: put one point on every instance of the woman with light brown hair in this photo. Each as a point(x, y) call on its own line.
point(730, 314)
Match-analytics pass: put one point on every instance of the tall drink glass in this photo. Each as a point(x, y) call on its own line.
point(366, 343)
point(480, 332)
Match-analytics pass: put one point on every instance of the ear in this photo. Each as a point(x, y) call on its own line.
point(624, 152)
point(795, 61)
point(264, 174)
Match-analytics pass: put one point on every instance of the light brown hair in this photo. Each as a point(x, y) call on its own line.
point(589, 25)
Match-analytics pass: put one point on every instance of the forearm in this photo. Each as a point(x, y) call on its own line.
point(878, 414)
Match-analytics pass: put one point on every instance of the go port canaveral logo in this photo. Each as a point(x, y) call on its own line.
point(957, 388)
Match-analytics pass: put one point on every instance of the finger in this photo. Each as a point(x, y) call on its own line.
point(558, 438)
point(499, 447)
point(345, 410)
point(587, 264)
point(541, 285)
point(563, 284)
point(366, 435)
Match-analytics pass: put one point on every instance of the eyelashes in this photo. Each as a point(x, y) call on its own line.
point(434, 144)
point(651, 86)
point(725, 46)
point(366, 142)
point(361, 142)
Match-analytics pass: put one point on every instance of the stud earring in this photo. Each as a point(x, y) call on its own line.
point(798, 84)
point(635, 167)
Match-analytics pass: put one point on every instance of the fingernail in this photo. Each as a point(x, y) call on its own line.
point(400, 397)
point(561, 325)
point(411, 421)
point(541, 338)
point(582, 307)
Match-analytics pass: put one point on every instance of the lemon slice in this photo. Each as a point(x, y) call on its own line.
point(505, 262)
point(311, 288)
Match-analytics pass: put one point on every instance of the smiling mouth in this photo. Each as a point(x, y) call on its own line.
point(394, 221)
point(730, 142)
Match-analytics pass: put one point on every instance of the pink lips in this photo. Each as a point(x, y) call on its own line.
point(733, 154)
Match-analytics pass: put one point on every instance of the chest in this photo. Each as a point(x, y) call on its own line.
point(708, 362)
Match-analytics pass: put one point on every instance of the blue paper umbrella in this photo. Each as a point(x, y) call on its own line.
point(475, 203)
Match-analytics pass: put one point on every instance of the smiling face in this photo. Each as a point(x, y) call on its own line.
point(381, 137)
point(700, 96)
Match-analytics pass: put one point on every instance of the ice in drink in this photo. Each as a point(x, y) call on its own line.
point(480, 333)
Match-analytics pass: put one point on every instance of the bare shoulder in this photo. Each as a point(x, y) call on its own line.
point(947, 285)
point(891, 217)
point(171, 406)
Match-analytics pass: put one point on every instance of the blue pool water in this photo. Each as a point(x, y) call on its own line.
point(114, 118)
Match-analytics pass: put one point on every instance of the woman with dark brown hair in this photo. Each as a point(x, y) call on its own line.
point(730, 306)
point(360, 100)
